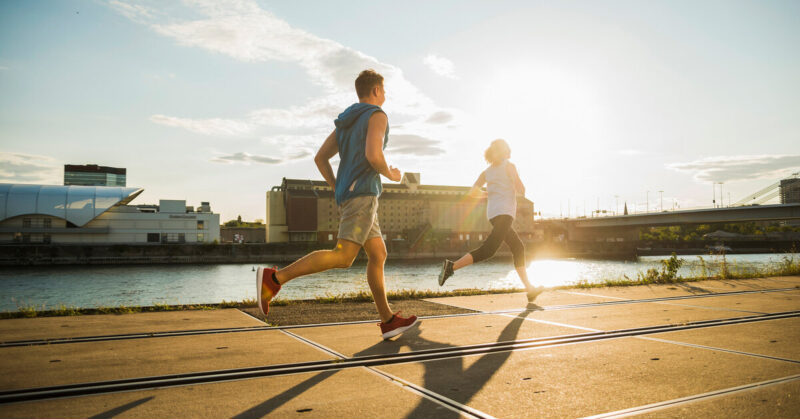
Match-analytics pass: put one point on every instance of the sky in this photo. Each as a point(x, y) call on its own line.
point(603, 103)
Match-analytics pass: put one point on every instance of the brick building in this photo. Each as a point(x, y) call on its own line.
point(305, 211)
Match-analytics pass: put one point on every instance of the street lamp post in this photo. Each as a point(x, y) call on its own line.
point(661, 198)
point(647, 203)
point(616, 210)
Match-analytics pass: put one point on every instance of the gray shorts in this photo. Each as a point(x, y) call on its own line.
point(358, 219)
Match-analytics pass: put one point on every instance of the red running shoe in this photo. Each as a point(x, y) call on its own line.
point(266, 288)
point(397, 325)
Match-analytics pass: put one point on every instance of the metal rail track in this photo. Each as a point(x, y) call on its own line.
point(100, 338)
point(205, 377)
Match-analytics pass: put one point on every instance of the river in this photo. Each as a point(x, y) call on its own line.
point(138, 285)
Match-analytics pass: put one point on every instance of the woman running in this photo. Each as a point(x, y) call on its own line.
point(502, 186)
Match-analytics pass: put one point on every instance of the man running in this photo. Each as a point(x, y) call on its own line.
point(361, 134)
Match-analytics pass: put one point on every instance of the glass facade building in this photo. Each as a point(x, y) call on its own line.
point(94, 175)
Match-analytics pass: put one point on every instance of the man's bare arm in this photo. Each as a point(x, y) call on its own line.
point(374, 150)
point(326, 152)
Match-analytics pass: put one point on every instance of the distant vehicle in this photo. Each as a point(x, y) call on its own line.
point(719, 248)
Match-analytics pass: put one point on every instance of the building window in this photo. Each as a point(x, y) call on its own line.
point(26, 223)
point(461, 237)
point(330, 237)
point(201, 225)
point(47, 223)
point(480, 236)
point(181, 238)
point(201, 237)
point(46, 238)
point(153, 237)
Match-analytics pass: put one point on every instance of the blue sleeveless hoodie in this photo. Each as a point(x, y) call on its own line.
point(355, 176)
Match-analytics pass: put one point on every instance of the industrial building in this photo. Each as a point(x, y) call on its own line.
point(99, 215)
point(790, 191)
point(94, 175)
point(302, 210)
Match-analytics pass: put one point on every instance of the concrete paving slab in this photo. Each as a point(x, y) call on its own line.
point(364, 339)
point(777, 338)
point(728, 285)
point(775, 401)
point(47, 365)
point(687, 288)
point(515, 301)
point(632, 315)
point(769, 302)
point(346, 393)
point(642, 291)
point(586, 379)
point(113, 324)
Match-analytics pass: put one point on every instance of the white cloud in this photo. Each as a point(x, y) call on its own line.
point(29, 168)
point(134, 12)
point(243, 31)
point(440, 65)
point(2, 67)
point(738, 168)
point(630, 152)
point(247, 158)
point(413, 145)
point(212, 126)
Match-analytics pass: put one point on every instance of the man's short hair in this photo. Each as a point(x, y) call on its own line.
point(366, 81)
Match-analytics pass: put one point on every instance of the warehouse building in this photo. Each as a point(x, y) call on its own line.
point(301, 210)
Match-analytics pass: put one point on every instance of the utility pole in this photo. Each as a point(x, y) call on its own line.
point(721, 201)
point(661, 197)
point(714, 194)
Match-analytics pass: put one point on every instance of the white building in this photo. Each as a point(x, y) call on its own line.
point(98, 215)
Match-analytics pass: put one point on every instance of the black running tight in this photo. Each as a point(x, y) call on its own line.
point(501, 231)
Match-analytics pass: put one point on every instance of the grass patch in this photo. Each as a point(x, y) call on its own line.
point(405, 294)
point(353, 297)
point(789, 265)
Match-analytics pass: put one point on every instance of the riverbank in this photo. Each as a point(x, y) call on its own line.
point(154, 254)
point(360, 306)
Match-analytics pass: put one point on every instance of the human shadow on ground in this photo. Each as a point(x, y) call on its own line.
point(694, 289)
point(448, 377)
point(451, 377)
point(122, 409)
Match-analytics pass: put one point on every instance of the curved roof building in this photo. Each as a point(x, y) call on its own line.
point(76, 204)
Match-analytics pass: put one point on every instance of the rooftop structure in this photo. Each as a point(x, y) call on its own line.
point(94, 175)
point(98, 214)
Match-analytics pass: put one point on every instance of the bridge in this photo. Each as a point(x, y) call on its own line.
point(626, 227)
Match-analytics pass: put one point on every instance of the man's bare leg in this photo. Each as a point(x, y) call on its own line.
point(341, 256)
point(376, 252)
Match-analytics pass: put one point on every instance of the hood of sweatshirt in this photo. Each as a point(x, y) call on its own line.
point(352, 113)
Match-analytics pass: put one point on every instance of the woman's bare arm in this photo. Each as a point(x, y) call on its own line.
point(476, 191)
point(512, 172)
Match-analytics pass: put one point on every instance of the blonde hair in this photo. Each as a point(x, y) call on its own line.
point(497, 151)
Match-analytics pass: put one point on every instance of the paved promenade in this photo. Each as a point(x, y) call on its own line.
point(705, 349)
